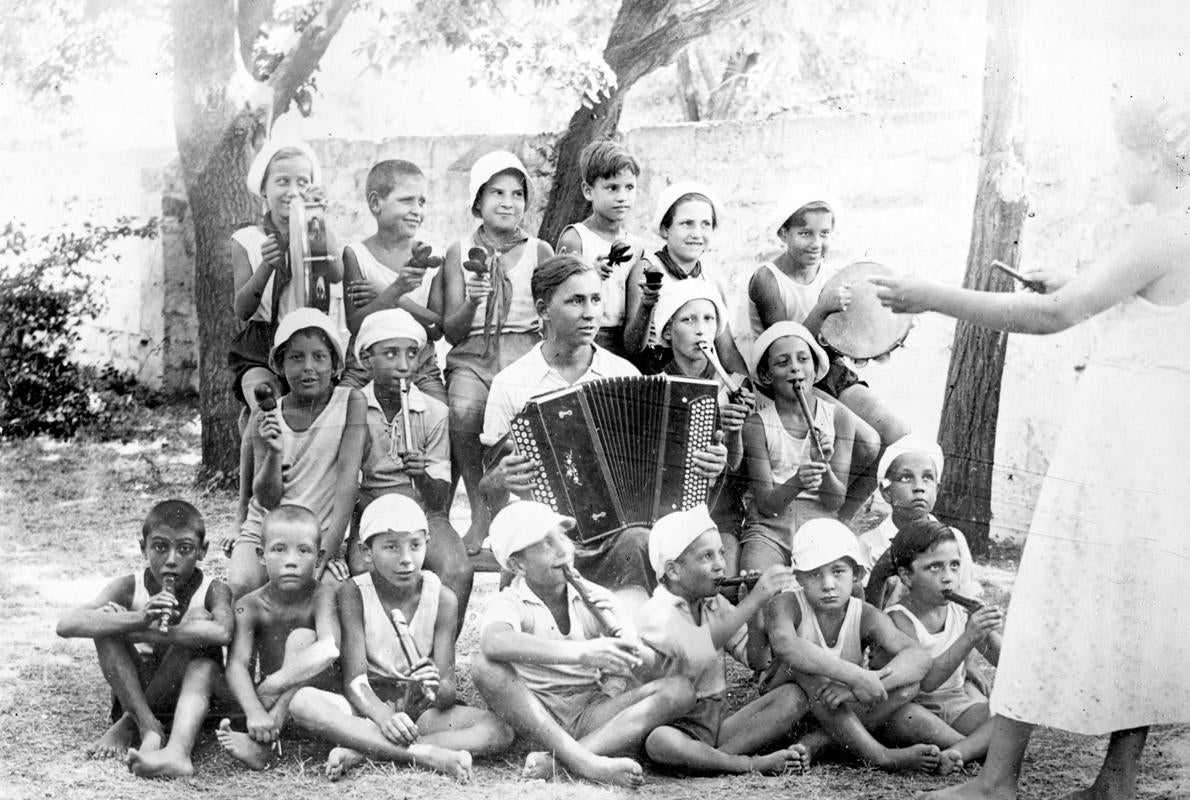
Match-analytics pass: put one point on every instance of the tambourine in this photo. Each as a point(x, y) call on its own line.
point(867, 329)
point(309, 255)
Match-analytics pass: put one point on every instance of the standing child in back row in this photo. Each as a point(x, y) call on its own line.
point(490, 317)
point(389, 269)
point(610, 174)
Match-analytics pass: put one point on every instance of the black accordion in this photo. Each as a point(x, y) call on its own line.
point(618, 452)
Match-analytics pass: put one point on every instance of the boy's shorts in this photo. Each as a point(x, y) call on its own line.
point(574, 707)
point(777, 533)
point(839, 377)
point(705, 720)
point(147, 663)
point(948, 706)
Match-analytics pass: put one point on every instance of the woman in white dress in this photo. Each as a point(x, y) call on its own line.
point(1100, 642)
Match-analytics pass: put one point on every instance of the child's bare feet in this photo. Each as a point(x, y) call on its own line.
point(918, 757)
point(152, 739)
point(795, 759)
point(616, 771)
point(949, 760)
point(539, 766)
point(340, 760)
point(474, 538)
point(242, 747)
point(455, 763)
point(164, 763)
point(115, 741)
point(971, 790)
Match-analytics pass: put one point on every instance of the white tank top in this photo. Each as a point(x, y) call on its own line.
point(381, 277)
point(614, 287)
point(385, 657)
point(522, 314)
point(786, 452)
point(308, 458)
point(797, 301)
point(938, 643)
point(140, 599)
point(849, 645)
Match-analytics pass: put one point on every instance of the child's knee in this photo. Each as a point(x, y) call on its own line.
point(676, 693)
point(299, 639)
point(790, 701)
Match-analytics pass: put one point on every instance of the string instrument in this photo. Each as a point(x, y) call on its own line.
point(966, 602)
point(168, 583)
point(608, 623)
point(616, 453)
point(799, 391)
point(409, 648)
point(309, 255)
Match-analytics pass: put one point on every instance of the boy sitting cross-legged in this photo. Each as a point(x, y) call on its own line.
point(290, 625)
point(398, 702)
point(690, 625)
point(820, 632)
point(544, 654)
point(160, 635)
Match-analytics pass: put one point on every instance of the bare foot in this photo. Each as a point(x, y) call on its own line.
point(781, 761)
point(115, 741)
point(919, 757)
point(971, 790)
point(616, 771)
point(949, 760)
point(473, 540)
point(800, 754)
point(340, 760)
point(242, 747)
point(455, 763)
point(151, 740)
point(540, 766)
point(165, 763)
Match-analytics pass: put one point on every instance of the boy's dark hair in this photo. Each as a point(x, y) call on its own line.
point(384, 176)
point(668, 218)
point(553, 272)
point(288, 512)
point(798, 218)
point(605, 158)
point(279, 357)
point(916, 538)
point(177, 515)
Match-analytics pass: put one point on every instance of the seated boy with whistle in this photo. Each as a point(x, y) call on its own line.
point(548, 648)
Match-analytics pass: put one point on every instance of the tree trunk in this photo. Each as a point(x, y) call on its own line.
point(688, 87)
point(971, 405)
point(214, 135)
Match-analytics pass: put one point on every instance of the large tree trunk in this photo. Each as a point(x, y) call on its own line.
point(971, 405)
point(215, 147)
point(645, 35)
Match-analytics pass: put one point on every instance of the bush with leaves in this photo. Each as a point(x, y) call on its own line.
point(46, 293)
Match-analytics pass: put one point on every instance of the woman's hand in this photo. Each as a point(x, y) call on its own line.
point(903, 294)
point(1050, 279)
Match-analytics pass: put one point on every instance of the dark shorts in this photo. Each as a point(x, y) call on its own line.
point(250, 350)
point(618, 561)
point(147, 664)
point(704, 721)
point(651, 360)
point(839, 377)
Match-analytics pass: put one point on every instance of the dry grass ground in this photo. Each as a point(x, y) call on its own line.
point(69, 516)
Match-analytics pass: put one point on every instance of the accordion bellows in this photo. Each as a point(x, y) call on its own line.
point(618, 452)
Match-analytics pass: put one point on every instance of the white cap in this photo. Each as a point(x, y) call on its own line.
point(522, 523)
point(821, 541)
point(676, 294)
point(670, 195)
point(260, 164)
point(781, 330)
point(910, 444)
point(800, 196)
point(673, 533)
point(491, 164)
point(391, 512)
point(297, 320)
point(391, 323)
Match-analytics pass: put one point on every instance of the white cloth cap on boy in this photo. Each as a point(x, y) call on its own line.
point(522, 523)
point(673, 533)
point(670, 195)
point(780, 330)
point(821, 541)
point(910, 444)
point(391, 323)
point(801, 196)
point(675, 294)
point(299, 320)
point(490, 165)
point(392, 512)
point(260, 164)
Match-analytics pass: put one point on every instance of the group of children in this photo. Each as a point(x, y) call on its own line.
point(350, 586)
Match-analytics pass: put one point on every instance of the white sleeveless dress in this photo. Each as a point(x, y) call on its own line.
point(1098, 631)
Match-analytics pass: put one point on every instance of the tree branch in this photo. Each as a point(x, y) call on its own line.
point(299, 64)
